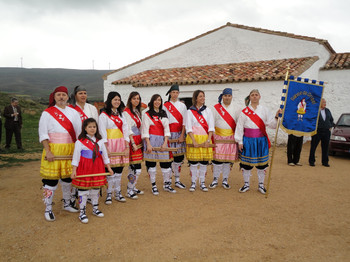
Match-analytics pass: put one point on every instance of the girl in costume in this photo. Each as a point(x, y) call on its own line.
point(176, 112)
point(115, 134)
point(253, 140)
point(200, 129)
point(132, 114)
point(156, 133)
point(90, 157)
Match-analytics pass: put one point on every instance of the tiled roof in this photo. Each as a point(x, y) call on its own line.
point(225, 73)
point(261, 30)
point(338, 61)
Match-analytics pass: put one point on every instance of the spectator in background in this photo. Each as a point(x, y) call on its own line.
point(294, 146)
point(13, 123)
point(325, 123)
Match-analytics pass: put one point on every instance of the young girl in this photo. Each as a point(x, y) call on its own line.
point(90, 157)
point(115, 134)
point(156, 133)
point(200, 129)
point(176, 112)
point(132, 114)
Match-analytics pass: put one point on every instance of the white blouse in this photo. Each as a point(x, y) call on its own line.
point(191, 120)
point(79, 146)
point(147, 122)
point(90, 111)
point(181, 107)
point(220, 121)
point(131, 122)
point(245, 122)
point(104, 123)
point(49, 125)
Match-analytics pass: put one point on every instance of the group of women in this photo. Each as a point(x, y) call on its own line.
point(166, 133)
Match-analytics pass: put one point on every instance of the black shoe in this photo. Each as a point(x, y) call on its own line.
point(326, 165)
point(312, 164)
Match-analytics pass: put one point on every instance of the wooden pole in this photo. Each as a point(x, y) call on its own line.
point(201, 145)
point(224, 141)
point(165, 149)
point(91, 175)
point(275, 140)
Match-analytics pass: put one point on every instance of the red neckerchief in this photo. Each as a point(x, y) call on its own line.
point(116, 120)
point(157, 128)
point(225, 115)
point(62, 120)
point(201, 120)
point(83, 116)
point(258, 121)
point(134, 117)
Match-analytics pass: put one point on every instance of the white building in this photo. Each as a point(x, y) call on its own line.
point(242, 58)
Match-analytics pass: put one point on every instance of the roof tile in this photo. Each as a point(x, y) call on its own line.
point(338, 61)
point(223, 73)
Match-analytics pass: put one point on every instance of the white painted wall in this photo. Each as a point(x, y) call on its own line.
point(337, 91)
point(228, 45)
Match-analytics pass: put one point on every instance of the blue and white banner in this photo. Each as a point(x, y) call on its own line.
point(302, 105)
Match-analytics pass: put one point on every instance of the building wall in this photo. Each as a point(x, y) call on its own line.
point(337, 91)
point(228, 45)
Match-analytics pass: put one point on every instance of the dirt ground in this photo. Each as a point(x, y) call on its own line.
point(305, 218)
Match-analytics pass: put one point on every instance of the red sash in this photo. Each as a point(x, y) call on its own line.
point(158, 128)
point(226, 116)
point(134, 117)
point(174, 127)
point(62, 120)
point(116, 120)
point(83, 116)
point(201, 120)
point(258, 121)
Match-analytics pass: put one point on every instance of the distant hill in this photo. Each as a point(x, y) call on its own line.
point(39, 82)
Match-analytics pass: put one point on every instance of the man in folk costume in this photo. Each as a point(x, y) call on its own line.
point(59, 127)
point(253, 140)
point(176, 112)
point(225, 152)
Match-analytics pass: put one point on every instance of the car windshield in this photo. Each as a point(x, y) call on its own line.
point(344, 120)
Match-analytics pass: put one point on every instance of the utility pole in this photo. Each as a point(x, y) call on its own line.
point(21, 62)
point(93, 64)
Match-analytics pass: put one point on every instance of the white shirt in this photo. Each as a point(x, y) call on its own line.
point(323, 114)
point(147, 122)
point(131, 122)
point(181, 107)
point(191, 120)
point(245, 122)
point(79, 146)
point(90, 111)
point(49, 125)
point(220, 122)
point(104, 123)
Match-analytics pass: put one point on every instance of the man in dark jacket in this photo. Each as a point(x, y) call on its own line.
point(13, 123)
point(325, 123)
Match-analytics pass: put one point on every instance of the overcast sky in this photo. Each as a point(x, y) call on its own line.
point(108, 34)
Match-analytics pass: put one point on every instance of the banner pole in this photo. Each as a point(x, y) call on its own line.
point(276, 134)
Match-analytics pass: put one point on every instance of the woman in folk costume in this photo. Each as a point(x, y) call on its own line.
point(132, 114)
point(253, 140)
point(176, 112)
point(115, 134)
point(90, 157)
point(59, 127)
point(199, 129)
point(225, 152)
point(155, 133)
point(78, 100)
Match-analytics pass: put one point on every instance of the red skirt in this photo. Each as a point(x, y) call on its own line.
point(136, 156)
point(87, 166)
